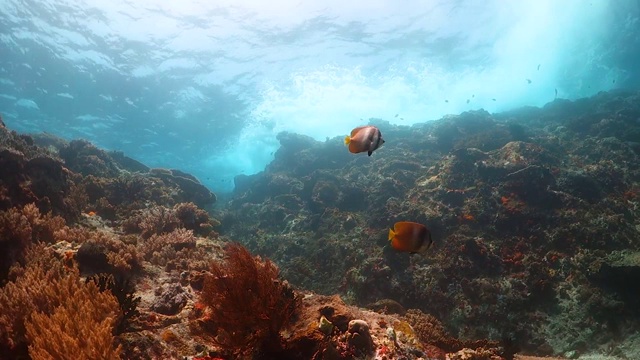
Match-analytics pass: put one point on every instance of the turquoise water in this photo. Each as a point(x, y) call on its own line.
point(205, 86)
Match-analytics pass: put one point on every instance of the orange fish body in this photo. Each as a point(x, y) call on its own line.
point(364, 138)
point(410, 237)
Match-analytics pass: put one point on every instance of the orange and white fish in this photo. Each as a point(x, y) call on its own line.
point(410, 237)
point(364, 138)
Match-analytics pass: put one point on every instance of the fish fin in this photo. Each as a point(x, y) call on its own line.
point(370, 152)
point(391, 234)
point(347, 140)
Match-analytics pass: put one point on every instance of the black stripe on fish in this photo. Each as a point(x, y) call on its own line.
point(380, 141)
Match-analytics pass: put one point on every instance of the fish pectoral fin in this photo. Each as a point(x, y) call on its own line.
point(369, 152)
point(347, 140)
point(391, 234)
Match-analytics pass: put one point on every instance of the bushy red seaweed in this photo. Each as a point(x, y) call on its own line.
point(247, 305)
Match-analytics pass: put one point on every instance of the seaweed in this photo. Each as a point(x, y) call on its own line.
point(247, 304)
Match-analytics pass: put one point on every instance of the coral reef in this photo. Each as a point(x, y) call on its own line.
point(528, 208)
point(534, 214)
point(69, 206)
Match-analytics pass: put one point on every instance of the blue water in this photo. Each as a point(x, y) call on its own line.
point(204, 86)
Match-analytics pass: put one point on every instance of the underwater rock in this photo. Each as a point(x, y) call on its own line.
point(243, 183)
point(92, 258)
point(326, 194)
point(127, 163)
point(471, 129)
point(84, 158)
point(532, 184)
point(49, 141)
point(336, 312)
point(23, 144)
point(290, 202)
point(293, 143)
point(510, 200)
point(272, 217)
point(191, 189)
point(620, 274)
point(359, 337)
point(300, 155)
point(40, 179)
point(387, 306)
point(50, 181)
point(295, 154)
point(580, 185)
point(283, 184)
point(520, 250)
point(170, 299)
point(515, 156)
point(364, 334)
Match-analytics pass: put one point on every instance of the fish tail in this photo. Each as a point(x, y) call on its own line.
point(391, 234)
point(347, 140)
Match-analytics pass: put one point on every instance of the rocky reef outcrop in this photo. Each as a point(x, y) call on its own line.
point(101, 256)
point(534, 214)
point(527, 208)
